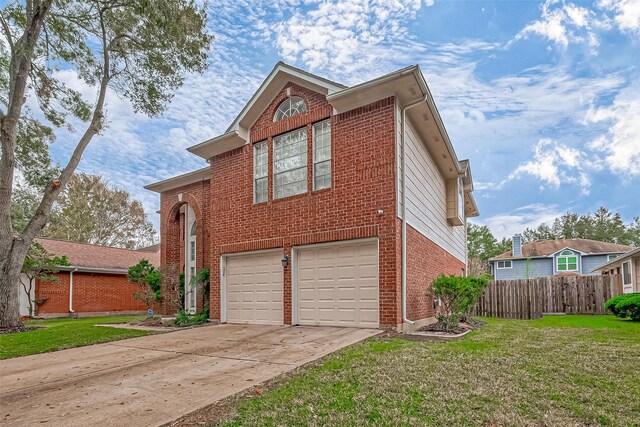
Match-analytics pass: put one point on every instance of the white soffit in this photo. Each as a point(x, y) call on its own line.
point(203, 174)
point(218, 145)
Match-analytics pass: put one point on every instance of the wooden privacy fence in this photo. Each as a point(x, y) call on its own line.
point(530, 298)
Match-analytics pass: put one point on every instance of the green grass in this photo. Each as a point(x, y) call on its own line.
point(557, 371)
point(58, 334)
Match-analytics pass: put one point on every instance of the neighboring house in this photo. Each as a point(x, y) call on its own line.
point(95, 283)
point(299, 214)
point(544, 258)
point(627, 266)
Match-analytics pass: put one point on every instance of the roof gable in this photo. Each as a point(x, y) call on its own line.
point(271, 86)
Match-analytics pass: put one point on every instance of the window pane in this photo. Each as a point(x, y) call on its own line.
point(290, 164)
point(626, 273)
point(322, 155)
point(260, 171)
point(322, 169)
point(296, 175)
point(290, 107)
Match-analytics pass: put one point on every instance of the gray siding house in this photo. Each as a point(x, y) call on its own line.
point(543, 258)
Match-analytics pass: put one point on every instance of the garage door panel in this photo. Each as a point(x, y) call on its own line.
point(338, 285)
point(254, 289)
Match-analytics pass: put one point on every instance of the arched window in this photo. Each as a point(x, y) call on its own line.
point(193, 229)
point(290, 107)
point(567, 261)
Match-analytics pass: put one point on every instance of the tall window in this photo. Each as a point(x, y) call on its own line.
point(290, 107)
point(567, 261)
point(290, 164)
point(322, 155)
point(626, 273)
point(260, 172)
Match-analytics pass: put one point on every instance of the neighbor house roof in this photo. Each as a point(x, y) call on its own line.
point(545, 248)
point(620, 259)
point(87, 257)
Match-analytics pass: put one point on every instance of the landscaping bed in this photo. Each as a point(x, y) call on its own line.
point(556, 371)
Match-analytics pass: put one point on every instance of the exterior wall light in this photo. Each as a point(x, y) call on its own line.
point(285, 261)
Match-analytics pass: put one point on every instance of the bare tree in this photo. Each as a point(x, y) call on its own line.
point(138, 49)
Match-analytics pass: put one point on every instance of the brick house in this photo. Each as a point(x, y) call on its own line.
point(300, 214)
point(94, 284)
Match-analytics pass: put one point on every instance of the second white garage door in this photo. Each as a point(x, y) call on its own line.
point(337, 284)
point(254, 288)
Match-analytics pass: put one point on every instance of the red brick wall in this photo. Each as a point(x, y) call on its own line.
point(92, 292)
point(172, 235)
point(363, 182)
point(425, 262)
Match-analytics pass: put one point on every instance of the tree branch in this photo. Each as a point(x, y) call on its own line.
point(39, 219)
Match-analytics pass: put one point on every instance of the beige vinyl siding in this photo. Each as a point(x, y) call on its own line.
point(427, 195)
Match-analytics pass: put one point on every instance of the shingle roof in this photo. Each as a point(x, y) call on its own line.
point(541, 248)
point(95, 256)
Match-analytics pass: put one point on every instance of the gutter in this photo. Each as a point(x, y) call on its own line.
point(404, 208)
point(94, 269)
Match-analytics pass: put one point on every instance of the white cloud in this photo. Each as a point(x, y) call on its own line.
point(564, 23)
point(556, 164)
point(626, 13)
point(621, 144)
point(348, 37)
point(507, 224)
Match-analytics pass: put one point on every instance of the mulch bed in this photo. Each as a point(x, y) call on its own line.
point(462, 327)
point(16, 329)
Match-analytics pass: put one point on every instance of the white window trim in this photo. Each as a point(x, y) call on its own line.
point(504, 264)
point(573, 255)
point(612, 257)
point(313, 155)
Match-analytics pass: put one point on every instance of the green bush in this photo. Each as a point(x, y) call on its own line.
point(625, 306)
point(185, 319)
point(458, 296)
point(611, 304)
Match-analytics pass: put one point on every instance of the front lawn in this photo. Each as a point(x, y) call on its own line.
point(558, 371)
point(57, 334)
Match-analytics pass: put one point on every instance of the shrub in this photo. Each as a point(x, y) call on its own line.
point(148, 279)
point(625, 306)
point(185, 319)
point(611, 304)
point(458, 296)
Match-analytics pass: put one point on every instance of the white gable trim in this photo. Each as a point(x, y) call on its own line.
point(278, 77)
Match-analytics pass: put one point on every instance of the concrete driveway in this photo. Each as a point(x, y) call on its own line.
point(153, 380)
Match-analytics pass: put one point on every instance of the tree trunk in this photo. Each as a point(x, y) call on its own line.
point(10, 266)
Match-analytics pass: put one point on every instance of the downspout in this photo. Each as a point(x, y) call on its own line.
point(71, 289)
point(404, 209)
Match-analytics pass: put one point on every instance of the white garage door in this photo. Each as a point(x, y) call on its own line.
point(254, 289)
point(338, 284)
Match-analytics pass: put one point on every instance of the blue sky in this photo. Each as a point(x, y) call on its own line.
point(542, 97)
